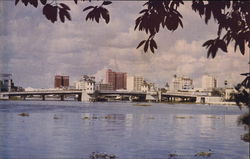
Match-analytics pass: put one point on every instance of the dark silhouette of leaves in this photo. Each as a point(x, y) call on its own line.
point(153, 45)
point(232, 17)
point(105, 14)
point(65, 6)
point(158, 13)
point(96, 13)
point(222, 45)
point(89, 7)
point(141, 43)
point(50, 12)
point(106, 2)
point(146, 46)
point(213, 46)
point(16, 2)
point(246, 82)
point(64, 13)
point(43, 1)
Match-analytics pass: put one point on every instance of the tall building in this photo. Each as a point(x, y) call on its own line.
point(6, 82)
point(134, 83)
point(208, 82)
point(117, 79)
point(61, 81)
point(181, 84)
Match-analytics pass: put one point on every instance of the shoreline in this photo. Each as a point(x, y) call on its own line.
point(210, 103)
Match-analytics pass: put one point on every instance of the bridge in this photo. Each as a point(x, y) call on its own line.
point(183, 96)
point(84, 96)
point(43, 93)
point(62, 93)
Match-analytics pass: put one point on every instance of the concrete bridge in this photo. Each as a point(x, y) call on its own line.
point(183, 96)
point(84, 96)
point(81, 95)
point(43, 93)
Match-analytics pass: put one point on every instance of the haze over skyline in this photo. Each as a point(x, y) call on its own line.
point(34, 50)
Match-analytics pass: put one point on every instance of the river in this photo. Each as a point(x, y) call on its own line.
point(57, 129)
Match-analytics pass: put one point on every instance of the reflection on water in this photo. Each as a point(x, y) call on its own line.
point(120, 129)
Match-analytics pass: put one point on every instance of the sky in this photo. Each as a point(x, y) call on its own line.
point(34, 50)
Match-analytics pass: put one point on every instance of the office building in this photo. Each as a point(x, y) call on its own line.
point(208, 83)
point(117, 79)
point(6, 82)
point(181, 84)
point(61, 81)
point(134, 83)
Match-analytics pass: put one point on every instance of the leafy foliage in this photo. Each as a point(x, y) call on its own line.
point(243, 98)
point(232, 17)
point(158, 14)
point(97, 12)
point(243, 95)
point(214, 45)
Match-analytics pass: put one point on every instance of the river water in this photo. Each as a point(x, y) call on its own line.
point(74, 130)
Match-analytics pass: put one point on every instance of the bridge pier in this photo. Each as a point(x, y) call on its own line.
point(79, 97)
point(159, 96)
point(23, 97)
point(43, 97)
point(62, 97)
point(85, 97)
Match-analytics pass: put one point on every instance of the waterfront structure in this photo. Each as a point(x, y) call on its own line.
point(148, 87)
point(229, 94)
point(86, 83)
point(181, 84)
point(134, 83)
point(6, 82)
point(208, 83)
point(116, 79)
point(61, 81)
point(209, 99)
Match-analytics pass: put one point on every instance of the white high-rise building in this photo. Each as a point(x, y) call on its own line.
point(181, 84)
point(134, 83)
point(208, 82)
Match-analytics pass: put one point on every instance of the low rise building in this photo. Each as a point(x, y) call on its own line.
point(148, 87)
point(86, 83)
point(209, 99)
point(229, 94)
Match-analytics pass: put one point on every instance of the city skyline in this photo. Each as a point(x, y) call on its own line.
point(36, 54)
